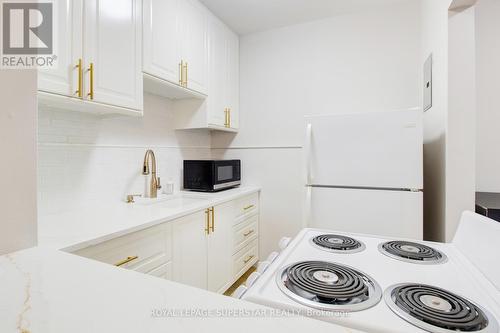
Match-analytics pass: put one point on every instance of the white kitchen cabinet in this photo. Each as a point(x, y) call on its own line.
point(107, 35)
point(221, 109)
point(223, 106)
point(212, 249)
point(147, 251)
point(68, 44)
point(112, 44)
point(190, 249)
point(161, 51)
point(194, 44)
point(175, 56)
point(220, 247)
point(217, 105)
point(209, 249)
point(202, 248)
point(233, 80)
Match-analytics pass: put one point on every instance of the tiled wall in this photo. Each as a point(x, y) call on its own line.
point(87, 160)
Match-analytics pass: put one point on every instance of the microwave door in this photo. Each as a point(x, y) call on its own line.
point(226, 174)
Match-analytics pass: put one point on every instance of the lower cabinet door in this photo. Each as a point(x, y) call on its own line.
point(220, 245)
point(189, 250)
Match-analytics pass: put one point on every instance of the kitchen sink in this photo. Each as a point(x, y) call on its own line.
point(171, 201)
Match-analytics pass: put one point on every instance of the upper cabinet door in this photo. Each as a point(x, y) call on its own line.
point(63, 79)
point(161, 39)
point(112, 44)
point(233, 79)
point(218, 61)
point(194, 44)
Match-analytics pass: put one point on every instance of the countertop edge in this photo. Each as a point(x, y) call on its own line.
point(243, 191)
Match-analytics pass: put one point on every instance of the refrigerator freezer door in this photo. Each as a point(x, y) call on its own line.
point(397, 214)
point(374, 150)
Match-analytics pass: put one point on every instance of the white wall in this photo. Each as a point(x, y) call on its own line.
point(18, 168)
point(87, 160)
point(358, 62)
point(449, 135)
point(434, 24)
point(488, 96)
point(461, 123)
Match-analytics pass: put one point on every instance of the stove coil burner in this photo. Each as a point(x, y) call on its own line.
point(337, 243)
point(412, 252)
point(437, 310)
point(328, 286)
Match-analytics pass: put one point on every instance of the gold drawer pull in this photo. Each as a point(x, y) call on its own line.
point(246, 234)
point(248, 259)
point(226, 117)
point(126, 261)
point(213, 219)
point(79, 66)
point(181, 73)
point(91, 71)
point(249, 207)
point(207, 225)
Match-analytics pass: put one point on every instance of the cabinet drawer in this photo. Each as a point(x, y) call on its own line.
point(247, 205)
point(244, 259)
point(139, 248)
point(148, 265)
point(164, 271)
point(245, 232)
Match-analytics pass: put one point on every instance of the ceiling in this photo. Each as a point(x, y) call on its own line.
point(247, 16)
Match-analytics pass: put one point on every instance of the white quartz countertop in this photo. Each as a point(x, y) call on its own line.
point(44, 290)
point(87, 226)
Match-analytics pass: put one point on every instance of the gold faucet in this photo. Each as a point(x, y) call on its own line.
point(152, 191)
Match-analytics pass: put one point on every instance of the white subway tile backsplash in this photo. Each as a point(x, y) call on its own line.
point(88, 159)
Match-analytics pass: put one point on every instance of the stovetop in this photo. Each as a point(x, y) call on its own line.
point(451, 272)
point(328, 286)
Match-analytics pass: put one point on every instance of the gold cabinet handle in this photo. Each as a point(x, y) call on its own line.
point(126, 261)
point(91, 71)
point(186, 76)
point(181, 73)
point(183, 69)
point(248, 207)
point(226, 114)
point(79, 67)
point(246, 234)
point(207, 225)
point(213, 219)
point(229, 117)
point(248, 259)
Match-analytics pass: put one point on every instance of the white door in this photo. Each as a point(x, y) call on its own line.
point(194, 44)
point(113, 44)
point(377, 150)
point(189, 250)
point(233, 79)
point(161, 39)
point(217, 102)
point(385, 213)
point(63, 79)
point(220, 245)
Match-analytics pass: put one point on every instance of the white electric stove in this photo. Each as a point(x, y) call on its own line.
point(388, 286)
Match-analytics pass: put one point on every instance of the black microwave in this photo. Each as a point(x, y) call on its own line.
point(211, 175)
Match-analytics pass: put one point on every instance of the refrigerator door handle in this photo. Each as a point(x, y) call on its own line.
point(308, 154)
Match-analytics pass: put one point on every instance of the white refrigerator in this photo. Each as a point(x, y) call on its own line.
point(364, 173)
